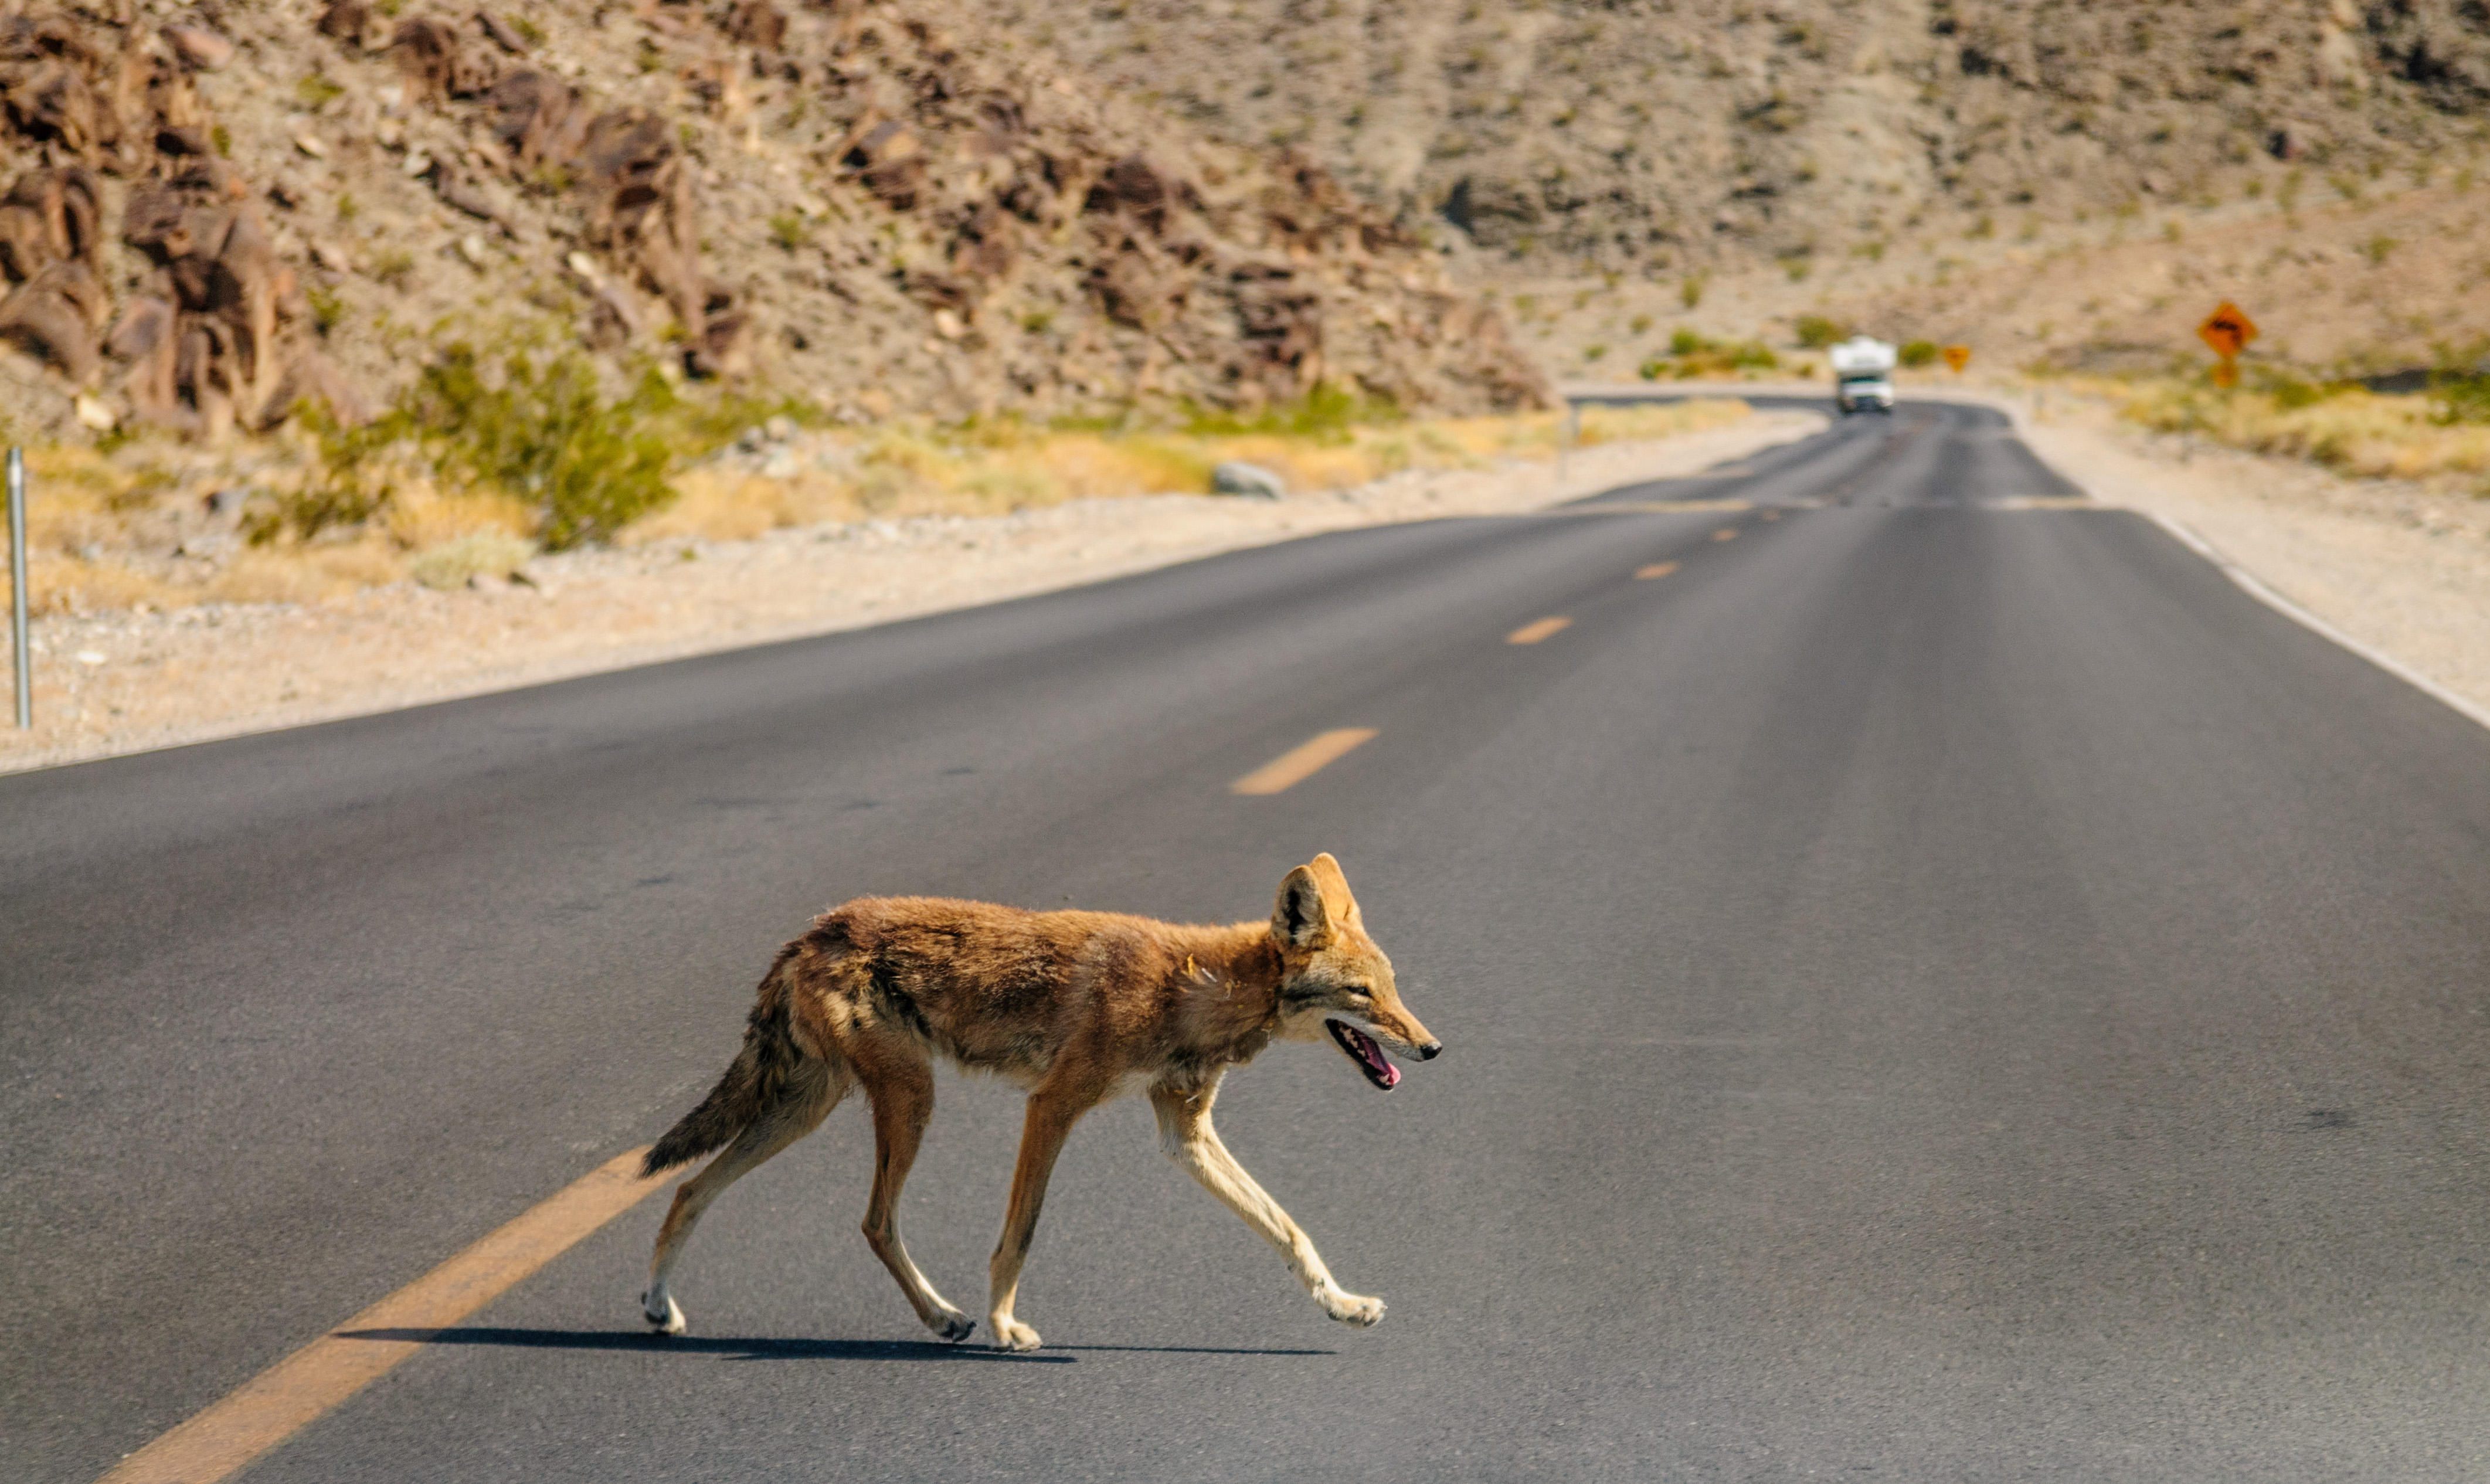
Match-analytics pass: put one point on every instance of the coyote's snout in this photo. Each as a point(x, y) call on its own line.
point(1078, 1007)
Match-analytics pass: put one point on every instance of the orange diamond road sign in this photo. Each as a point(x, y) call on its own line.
point(1958, 355)
point(2228, 329)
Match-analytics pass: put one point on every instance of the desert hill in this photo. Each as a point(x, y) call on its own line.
point(1670, 135)
point(871, 205)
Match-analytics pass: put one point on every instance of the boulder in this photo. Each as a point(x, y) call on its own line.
point(1236, 476)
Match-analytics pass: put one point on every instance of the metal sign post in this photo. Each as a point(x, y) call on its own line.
point(17, 587)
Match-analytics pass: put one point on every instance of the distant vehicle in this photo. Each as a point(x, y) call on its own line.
point(1863, 375)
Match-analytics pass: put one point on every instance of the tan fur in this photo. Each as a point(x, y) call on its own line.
point(1076, 1007)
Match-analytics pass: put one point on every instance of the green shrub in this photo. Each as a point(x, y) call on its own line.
point(1917, 353)
point(542, 429)
point(1815, 332)
point(1691, 355)
point(1327, 414)
point(2461, 396)
point(548, 435)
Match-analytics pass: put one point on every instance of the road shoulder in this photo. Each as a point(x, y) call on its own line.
point(135, 681)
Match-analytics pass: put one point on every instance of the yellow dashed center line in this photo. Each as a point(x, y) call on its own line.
point(1537, 629)
point(1656, 570)
point(1302, 761)
point(303, 1387)
point(1725, 533)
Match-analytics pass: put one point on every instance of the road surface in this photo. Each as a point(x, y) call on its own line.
point(1938, 984)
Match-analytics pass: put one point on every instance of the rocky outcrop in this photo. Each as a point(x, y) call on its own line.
point(864, 204)
point(206, 333)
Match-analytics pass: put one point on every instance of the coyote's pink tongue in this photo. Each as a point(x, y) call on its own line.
point(1364, 1049)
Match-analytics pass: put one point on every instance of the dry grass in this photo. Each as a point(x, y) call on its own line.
point(1000, 468)
point(2363, 434)
point(122, 530)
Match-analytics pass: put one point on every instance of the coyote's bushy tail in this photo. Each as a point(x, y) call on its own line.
point(766, 1072)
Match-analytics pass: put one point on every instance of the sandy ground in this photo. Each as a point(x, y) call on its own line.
point(130, 682)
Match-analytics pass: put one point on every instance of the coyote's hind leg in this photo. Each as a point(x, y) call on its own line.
point(900, 1082)
point(796, 1115)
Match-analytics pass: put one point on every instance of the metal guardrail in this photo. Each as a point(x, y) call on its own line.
point(17, 602)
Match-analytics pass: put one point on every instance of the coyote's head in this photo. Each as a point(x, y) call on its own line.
point(1334, 979)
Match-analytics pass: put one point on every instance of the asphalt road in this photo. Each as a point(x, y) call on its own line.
point(1936, 988)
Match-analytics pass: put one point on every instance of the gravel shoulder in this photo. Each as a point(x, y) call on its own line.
point(132, 682)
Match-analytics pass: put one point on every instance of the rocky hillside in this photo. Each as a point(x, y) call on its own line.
point(214, 213)
point(1677, 135)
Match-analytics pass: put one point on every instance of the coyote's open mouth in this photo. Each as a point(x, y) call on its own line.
point(1364, 1049)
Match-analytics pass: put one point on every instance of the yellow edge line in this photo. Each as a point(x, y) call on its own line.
point(1537, 629)
point(306, 1385)
point(1302, 761)
point(1656, 570)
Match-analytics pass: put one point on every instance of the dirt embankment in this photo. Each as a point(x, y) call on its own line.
point(129, 680)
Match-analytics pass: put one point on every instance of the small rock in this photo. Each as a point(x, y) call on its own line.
point(418, 163)
point(309, 144)
point(779, 465)
point(389, 133)
point(780, 428)
point(472, 248)
point(947, 325)
point(1235, 477)
point(200, 47)
point(227, 504)
point(489, 582)
point(332, 258)
point(90, 656)
point(92, 412)
point(285, 192)
point(585, 267)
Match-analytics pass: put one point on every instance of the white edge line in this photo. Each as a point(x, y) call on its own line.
point(2250, 583)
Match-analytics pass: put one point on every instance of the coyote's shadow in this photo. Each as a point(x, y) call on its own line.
point(641, 1341)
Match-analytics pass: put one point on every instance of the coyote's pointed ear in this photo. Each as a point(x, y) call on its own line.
point(1337, 897)
point(1300, 918)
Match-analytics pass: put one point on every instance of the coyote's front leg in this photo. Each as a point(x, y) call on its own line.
point(1186, 1134)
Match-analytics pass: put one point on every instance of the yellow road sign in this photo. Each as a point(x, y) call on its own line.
point(2228, 329)
point(1956, 356)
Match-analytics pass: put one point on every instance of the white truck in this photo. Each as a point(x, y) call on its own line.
point(1863, 375)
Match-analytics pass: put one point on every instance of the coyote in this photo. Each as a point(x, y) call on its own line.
point(1076, 1007)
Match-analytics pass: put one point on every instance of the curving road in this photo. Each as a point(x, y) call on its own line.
point(1938, 984)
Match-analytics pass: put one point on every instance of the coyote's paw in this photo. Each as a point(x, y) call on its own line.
point(1012, 1335)
point(666, 1320)
point(1351, 1308)
point(951, 1324)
